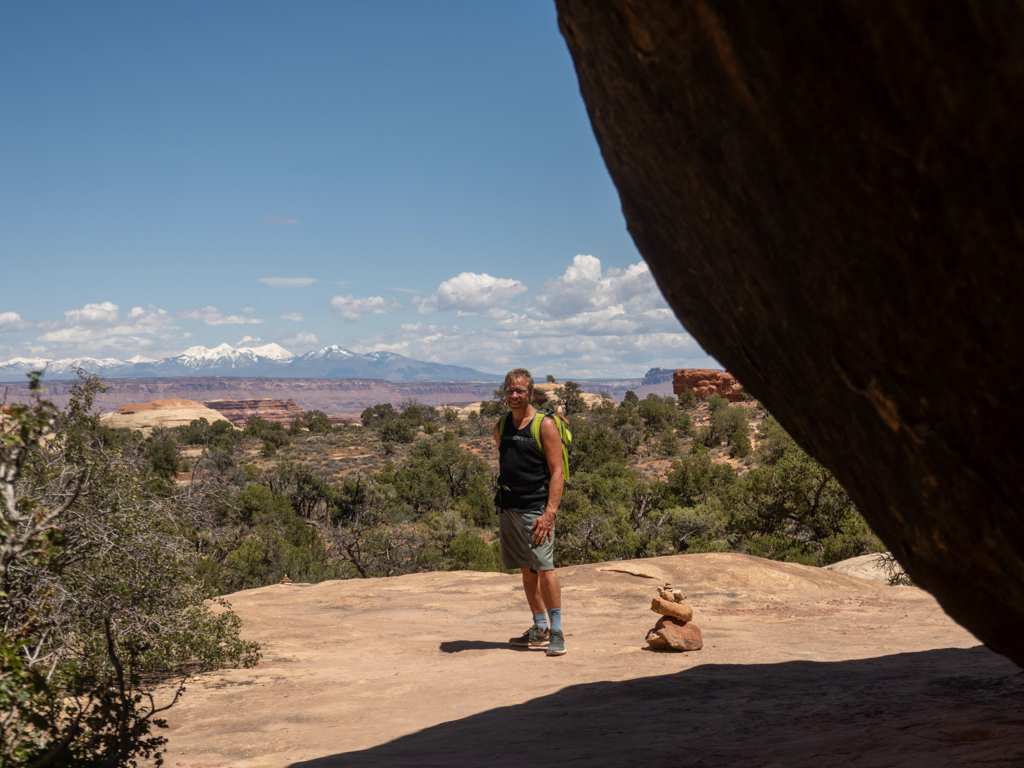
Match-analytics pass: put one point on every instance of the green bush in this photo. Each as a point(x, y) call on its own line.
point(687, 400)
point(98, 584)
point(398, 430)
point(280, 543)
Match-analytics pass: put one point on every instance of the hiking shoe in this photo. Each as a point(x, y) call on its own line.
point(534, 637)
point(556, 646)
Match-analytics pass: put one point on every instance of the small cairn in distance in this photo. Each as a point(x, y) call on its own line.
point(673, 632)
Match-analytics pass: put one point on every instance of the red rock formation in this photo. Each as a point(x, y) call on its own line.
point(240, 411)
point(706, 382)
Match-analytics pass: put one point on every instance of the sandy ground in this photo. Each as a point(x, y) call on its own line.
point(801, 667)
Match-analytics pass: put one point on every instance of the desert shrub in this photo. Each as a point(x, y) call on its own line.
point(374, 417)
point(492, 409)
point(611, 517)
point(668, 444)
point(397, 430)
point(103, 616)
point(220, 434)
point(684, 423)
point(161, 450)
point(449, 543)
point(894, 572)
point(594, 445)
point(716, 401)
point(725, 424)
point(570, 395)
point(279, 543)
point(687, 399)
point(797, 507)
point(438, 473)
point(696, 479)
point(739, 444)
point(317, 422)
point(369, 534)
point(657, 412)
point(702, 528)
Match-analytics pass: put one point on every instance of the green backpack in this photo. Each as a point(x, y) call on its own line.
point(563, 432)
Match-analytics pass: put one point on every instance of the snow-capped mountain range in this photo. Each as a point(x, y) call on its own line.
point(271, 360)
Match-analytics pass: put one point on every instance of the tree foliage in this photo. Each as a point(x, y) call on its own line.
point(103, 616)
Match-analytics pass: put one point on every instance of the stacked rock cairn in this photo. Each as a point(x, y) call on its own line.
point(673, 632)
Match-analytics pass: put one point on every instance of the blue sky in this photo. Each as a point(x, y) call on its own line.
point(411, 176)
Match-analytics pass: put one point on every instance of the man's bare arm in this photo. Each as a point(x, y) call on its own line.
point(552, 443)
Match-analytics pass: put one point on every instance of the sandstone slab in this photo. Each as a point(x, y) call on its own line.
point(417, 670)
point(863, 567)
point(168, 413)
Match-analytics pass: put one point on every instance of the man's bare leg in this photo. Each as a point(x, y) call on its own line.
point(531, 584)
point(550, 591)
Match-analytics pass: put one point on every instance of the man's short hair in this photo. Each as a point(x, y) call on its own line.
point(519, 373)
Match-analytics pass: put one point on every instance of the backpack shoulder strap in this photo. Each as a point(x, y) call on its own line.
point(563, 433)
point(501, 423)
point(538, 417)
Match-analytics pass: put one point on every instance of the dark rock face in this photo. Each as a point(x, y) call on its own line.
point(830, 196)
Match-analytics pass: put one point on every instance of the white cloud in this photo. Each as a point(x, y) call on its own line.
point(588, 323)
point(279, 220)
point(288, 282)
point(472, 294)
point(12, 321)
point(99, 326)
point(302, 339)
point(351, 309)
point(213, 316)
point(585, 288)
point(248, 340)
point(295, 317)
point(90, 314)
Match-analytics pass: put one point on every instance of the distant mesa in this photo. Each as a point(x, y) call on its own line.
point(239, 412)
point(706, 382)
point(657, 376)
point(145, 417)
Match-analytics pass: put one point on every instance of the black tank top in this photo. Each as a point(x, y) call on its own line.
point(523, 466)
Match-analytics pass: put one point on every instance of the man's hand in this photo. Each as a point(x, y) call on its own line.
point(543, 527)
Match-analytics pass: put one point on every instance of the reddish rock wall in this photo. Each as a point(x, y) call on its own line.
point(706, 382)
point(240, 411)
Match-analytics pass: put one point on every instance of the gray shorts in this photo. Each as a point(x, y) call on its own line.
point(517, 547)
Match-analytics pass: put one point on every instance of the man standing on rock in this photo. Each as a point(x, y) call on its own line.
point(530, 484)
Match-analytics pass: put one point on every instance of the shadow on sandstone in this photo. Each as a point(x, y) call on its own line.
point(455, 646)
point(932, 708)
